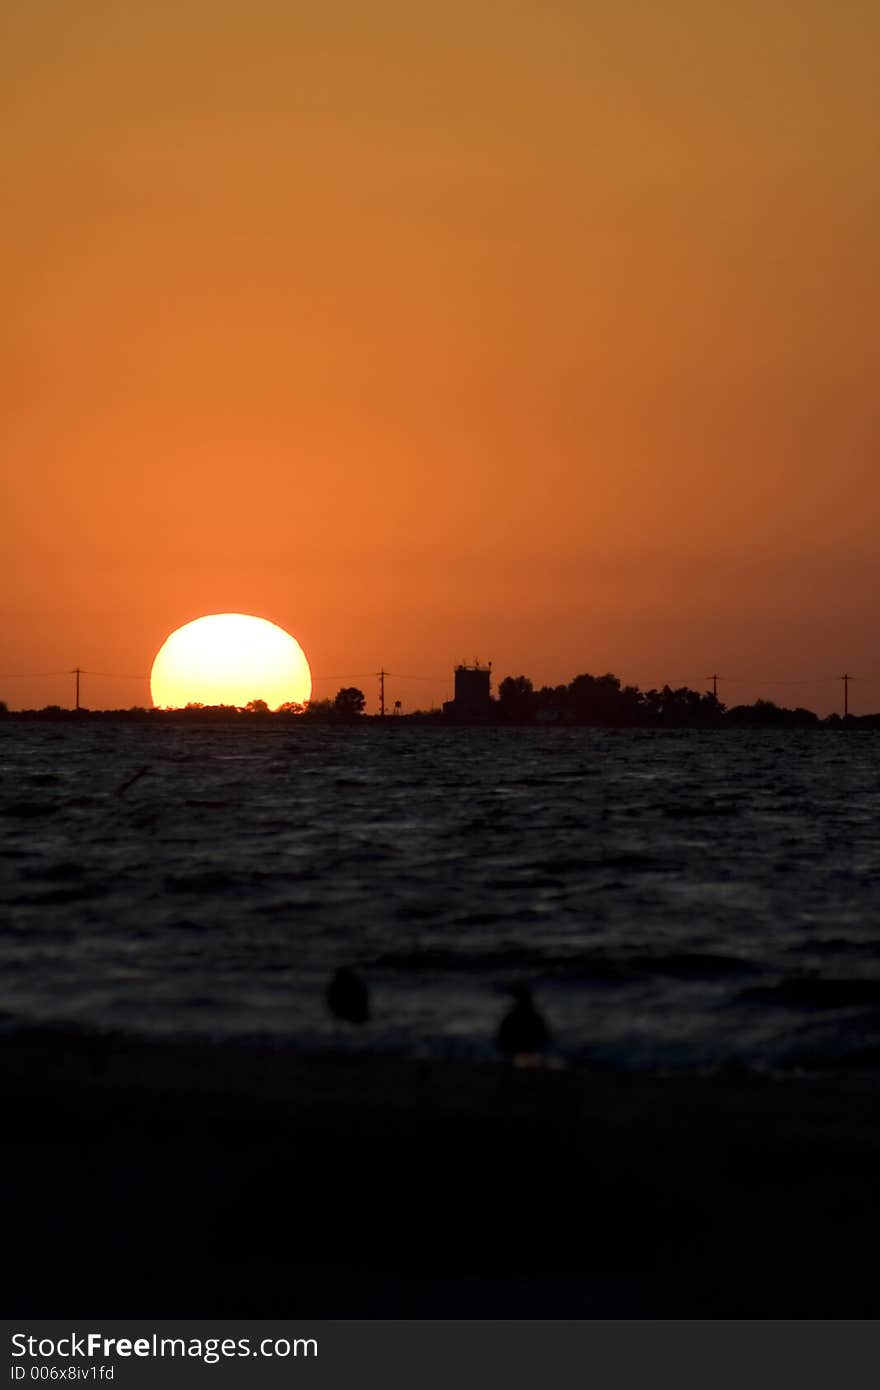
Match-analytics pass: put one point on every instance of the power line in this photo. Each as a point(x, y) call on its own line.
point(117, 675)
point(49, 675)
point(364, 675)
point(399, 676)
point(348, 676)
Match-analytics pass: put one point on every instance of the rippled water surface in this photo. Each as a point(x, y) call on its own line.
point(673, 898)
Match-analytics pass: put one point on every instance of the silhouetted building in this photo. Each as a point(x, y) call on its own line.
point(473, 692)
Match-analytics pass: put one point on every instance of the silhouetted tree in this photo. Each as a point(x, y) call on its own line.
point(681, 708)
point(319, 709)
point(516, 699)
point(601, 700)
point(349, 701)
point(257, 707)
point(766, 714)
point(552, 704)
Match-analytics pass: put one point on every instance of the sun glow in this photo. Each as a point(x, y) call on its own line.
point(230, 659)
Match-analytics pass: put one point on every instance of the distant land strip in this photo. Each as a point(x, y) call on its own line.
point(587, 701)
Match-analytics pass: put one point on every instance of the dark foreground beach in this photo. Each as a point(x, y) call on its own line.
point(221, 1180)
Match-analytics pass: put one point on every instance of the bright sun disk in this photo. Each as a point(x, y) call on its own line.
point(230, 659)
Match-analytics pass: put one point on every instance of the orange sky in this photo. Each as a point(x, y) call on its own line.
point(540, 332)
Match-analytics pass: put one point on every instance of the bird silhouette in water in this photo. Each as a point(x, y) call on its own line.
point(523, 1034)
point(347, 996)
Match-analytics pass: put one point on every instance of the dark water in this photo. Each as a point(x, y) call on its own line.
point(675, 899)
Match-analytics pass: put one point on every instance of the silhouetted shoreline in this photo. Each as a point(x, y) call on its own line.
point(691, 711)
point(242, 1179)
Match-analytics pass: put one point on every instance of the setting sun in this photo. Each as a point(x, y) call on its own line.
point(230, 659)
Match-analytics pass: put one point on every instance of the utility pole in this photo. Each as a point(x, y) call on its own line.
point(714, 679)
point(77, 673)
point(846, 678)
point(382, 694)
